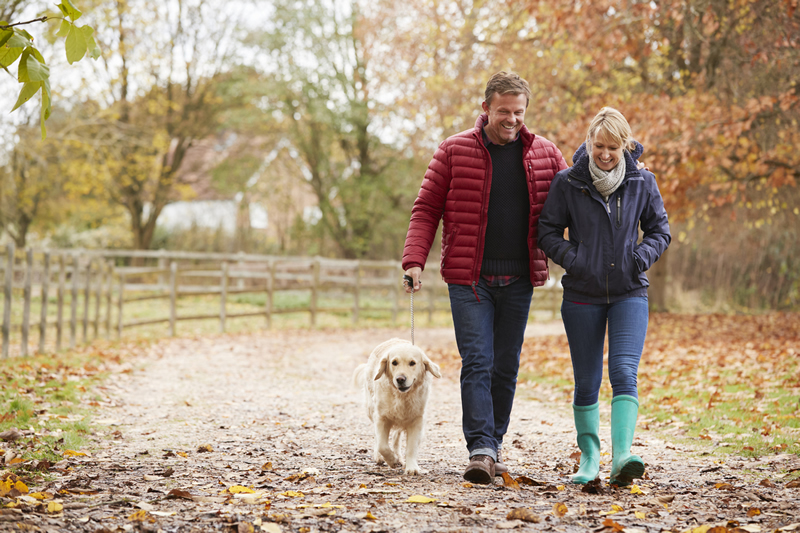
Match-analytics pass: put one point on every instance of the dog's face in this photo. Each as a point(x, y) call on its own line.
point(406, 365)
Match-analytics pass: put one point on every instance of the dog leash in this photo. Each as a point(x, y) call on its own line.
point(410, 281)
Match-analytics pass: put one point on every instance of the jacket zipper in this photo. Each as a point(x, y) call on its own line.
point(475, 291)
point(619, 211)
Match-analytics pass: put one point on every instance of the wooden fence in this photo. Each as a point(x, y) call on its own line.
point(83, 294)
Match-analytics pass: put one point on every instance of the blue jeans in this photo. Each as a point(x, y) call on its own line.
point(489, 335)
point(585, 325)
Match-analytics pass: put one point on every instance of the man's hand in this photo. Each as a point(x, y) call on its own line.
point(414, 273)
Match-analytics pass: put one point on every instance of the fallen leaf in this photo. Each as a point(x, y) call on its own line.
point(560, 509)
point(271, 528)
point(509, 482)
point(766, 482)
point(793, 484)
point(54, 507)
point(523, 514)
point(753, 511)
point(245, 527)
point(369, 516)
point(178, 493)
point(418, 498)
point(467, 485)
point(640, 515)
point(238, 489)
point(42, 495)
point(614, 510)
point(293, 494)
point(205, 448)
point(575, 456)
point(595, 486)
point(73, 453)
point(267, 466)
point(11, 435)
point(138, 516)
point(636, 490)
point(525, 480)
point(613, 525)
point(723, 486)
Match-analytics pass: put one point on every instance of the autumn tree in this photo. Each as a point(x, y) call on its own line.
point(321, 95)
point(163, 67)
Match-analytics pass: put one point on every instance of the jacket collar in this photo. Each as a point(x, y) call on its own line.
point(580, 162)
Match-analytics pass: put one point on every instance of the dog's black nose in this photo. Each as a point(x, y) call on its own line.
point(401, 380)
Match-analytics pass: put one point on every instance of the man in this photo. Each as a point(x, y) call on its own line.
point(488, 184)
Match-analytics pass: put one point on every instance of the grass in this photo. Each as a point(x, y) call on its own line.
point(45, 397)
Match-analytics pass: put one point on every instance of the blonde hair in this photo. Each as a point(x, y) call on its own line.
point(612, 123)
point(506, 83)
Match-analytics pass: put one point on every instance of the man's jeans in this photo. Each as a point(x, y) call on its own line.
point(489, 334)
point(585, 325)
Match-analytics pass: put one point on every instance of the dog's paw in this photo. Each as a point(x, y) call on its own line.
point(414, 470)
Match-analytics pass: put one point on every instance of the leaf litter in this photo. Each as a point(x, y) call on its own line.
point(264, 433)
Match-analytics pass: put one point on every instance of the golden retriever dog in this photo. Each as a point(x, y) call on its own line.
point(396, 380)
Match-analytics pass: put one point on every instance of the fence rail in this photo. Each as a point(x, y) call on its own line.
point(85, 293)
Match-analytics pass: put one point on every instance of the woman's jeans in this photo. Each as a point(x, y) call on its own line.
point(489, 335)
point(585, 325)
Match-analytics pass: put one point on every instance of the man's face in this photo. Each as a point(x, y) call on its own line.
point(506, 116)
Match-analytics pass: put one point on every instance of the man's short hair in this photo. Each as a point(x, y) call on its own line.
point(506, 83)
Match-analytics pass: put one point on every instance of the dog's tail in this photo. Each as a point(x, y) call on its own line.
point(359, 376)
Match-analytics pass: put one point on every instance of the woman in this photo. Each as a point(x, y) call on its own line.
point(602, 200)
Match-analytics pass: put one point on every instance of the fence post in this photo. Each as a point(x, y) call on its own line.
point(87, 288)
point(356, 293)
point(98, 294)
point(26, 302)
point(109, 291)
point(270, 291)
point(315, 268)
point(73, 319)
point(9, 286)
point(62, 268)
point(43, 310)
point(120, 301)
point(173, 277)
point(162, 265)
point(223, 296)
point(240, 266)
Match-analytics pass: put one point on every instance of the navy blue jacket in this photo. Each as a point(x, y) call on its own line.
point(603, 258)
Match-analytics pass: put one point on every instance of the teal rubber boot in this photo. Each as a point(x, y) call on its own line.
point(587, 423)
point(624, 466)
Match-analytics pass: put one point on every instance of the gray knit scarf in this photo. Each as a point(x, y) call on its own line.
point(607, 181)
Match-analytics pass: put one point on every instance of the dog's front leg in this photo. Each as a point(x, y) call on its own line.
point(382, 447)
point(413, 440)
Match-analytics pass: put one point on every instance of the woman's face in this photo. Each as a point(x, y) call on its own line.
point(605, 152)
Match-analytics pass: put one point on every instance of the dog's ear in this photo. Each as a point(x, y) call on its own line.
point(382, 364)
point(431, 367)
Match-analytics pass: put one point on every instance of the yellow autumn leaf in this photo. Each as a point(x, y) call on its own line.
point(636, 490)
point(560, 509)
point(54, 507)
point(369, 516)
point(41, 495)
point(640, 515)
point(239, 489)
point(293, 494)
point(138, 516)
point(21, 487)
point(418, 498)
point(73, 453)
point(561, 487)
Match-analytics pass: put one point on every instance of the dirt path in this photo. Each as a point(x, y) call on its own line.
point(276, 415)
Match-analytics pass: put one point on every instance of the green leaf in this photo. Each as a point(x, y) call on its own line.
point(18, 41)
point(91, 45)
point(63, 31)
point(69, 10)
point(37, 71)
point(45, 106)
point(27, 92)
point(25, 35)
point(22, 70)
point(75, 45)
point(5, 35)
point(8, 56)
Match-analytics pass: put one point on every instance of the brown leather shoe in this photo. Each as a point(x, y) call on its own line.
point(500, 467)
point(480, 470)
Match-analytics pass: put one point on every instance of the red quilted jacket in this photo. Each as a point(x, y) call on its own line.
point(456, 188)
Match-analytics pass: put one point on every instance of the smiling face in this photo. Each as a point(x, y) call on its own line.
point(606, 152)
point(506, 117)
